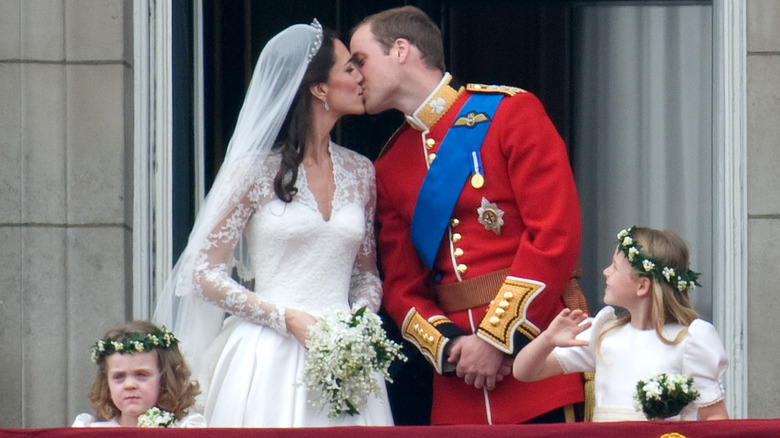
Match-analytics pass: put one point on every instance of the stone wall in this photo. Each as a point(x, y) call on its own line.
point(65, 198)
point(763, 176)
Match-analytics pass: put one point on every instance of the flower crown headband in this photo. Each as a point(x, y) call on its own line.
point(134, 343)
point(648, 265)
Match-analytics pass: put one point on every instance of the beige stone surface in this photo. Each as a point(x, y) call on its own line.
point(42, 30)
point(11, 326)
point(44, 138)
point(763, 30)
point(10, 34)
point(98, 282)
point(10, 141)
point(96, 30)
point(97, 188)
point(763, 386)
point(45, 325)
point(66, 152)
point(763, 136)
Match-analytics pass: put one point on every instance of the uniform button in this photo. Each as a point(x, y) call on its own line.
point(508, 296)
point(455, 222)
point(431, 157)
point(494, 320)
point(458, 252)
point(429, 143)
point(499, 312)
point(462, 268)
point(503, 304)
point(456, 237)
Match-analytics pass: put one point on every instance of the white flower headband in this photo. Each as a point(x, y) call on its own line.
point(648, 265)
point(134, 343)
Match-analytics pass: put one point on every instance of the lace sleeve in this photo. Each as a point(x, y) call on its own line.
point(212, 278)
point(365, 287)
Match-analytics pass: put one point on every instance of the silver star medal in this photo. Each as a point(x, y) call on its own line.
point(490, 216)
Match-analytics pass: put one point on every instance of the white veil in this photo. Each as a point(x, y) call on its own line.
point(277, 76)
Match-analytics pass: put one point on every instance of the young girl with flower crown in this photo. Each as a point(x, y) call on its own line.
point(142, 381)
point(661, 333)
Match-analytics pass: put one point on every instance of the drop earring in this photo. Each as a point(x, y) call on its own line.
point(327, 107)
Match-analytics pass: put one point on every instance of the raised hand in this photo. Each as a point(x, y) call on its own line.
point(565, 327)
point(536, 360)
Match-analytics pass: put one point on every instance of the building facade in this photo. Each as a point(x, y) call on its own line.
point(84, 120)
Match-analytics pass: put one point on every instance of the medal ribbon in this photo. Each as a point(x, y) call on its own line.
point(442, 185)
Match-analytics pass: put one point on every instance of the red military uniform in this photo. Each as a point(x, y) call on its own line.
point(524, 218)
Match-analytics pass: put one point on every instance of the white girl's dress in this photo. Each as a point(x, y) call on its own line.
point(629, 355)
point(300, 260)
point(88, 420)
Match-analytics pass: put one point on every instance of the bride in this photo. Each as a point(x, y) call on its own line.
point(299, 209)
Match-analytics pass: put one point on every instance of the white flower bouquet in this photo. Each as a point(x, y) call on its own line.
point(664, 395)
point(156, 417)
point(346, 352)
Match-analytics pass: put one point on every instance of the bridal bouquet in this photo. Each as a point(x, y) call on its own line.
point(664, 395)
point(346, 352)
point(156, 417)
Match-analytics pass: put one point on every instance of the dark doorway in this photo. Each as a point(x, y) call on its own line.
point(521, 43)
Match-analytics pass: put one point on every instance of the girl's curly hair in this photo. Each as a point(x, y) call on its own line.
point(177, 392)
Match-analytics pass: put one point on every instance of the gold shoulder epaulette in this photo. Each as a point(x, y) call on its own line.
point(505, 89)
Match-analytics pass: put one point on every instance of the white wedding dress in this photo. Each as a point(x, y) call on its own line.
point(299, 260)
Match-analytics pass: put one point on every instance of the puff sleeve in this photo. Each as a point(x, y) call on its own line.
point(705, 360)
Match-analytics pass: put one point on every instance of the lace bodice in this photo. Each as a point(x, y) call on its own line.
point(298, 258)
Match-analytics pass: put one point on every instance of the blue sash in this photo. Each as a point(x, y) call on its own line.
point(442, 185)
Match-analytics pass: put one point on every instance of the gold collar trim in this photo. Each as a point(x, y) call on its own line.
point(435, 106)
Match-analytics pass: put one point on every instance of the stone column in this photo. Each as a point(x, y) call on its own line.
point(763, 176)
point(66, 184)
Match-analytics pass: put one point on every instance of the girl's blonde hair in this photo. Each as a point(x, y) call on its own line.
point(670, 305)
point(177, 391)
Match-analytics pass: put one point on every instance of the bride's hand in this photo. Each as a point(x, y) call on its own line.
point(298, 323)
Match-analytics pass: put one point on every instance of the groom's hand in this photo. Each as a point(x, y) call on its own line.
point(479, 363)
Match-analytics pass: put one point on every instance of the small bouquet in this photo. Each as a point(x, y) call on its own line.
point(664, 395)
point(156, 417)
point(346, 351)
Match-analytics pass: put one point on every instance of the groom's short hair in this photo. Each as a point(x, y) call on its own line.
point(412, 24)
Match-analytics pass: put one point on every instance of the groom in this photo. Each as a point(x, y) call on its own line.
point(480, 223)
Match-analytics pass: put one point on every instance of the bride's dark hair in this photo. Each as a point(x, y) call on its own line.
point(292, 136)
